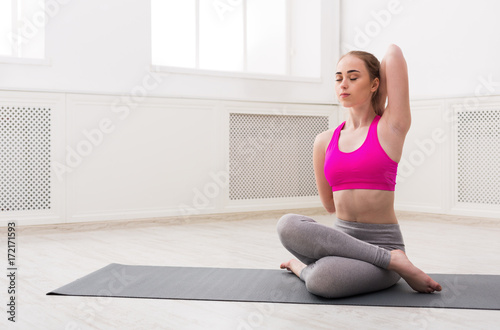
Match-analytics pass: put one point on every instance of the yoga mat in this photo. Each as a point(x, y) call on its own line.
point(272, 286)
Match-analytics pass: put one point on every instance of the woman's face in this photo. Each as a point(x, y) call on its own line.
point(352, 82)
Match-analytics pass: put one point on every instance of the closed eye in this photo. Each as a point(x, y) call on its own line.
point(352, 79)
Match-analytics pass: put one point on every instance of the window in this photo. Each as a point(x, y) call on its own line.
point(22, 28)
point(264, 37)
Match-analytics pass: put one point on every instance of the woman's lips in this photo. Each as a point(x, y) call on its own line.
point(344, 95)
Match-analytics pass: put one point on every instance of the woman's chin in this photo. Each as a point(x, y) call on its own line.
point(345, 104)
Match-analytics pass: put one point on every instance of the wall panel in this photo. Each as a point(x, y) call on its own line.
point(148, 164)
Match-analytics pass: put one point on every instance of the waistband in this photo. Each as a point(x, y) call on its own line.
point(388, 236)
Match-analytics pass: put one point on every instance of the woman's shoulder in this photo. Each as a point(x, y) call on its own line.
point(323, 139)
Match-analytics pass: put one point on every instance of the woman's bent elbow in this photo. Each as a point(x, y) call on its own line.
point(330, 208)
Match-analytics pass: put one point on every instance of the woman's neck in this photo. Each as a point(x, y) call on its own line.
point(360, 117)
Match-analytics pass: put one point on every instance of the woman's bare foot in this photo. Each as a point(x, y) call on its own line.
point(293, 265)
point(416, 278)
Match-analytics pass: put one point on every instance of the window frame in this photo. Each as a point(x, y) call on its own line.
point(17, 47)
point(165, 69)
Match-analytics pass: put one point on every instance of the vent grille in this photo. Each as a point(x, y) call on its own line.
point(270, 156)
point(25, 158)
point(479, 157)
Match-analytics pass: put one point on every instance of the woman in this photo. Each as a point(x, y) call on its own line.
point(355, 167)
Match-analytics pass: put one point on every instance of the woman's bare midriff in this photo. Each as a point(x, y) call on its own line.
point(363, 205)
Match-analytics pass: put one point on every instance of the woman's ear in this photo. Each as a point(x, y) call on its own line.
point(375, 84)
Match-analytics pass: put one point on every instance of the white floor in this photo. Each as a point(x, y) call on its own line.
point(51, 256)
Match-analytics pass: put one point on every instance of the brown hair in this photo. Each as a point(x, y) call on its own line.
point(373, 66)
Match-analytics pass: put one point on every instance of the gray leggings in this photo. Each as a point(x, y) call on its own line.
point(350, 258)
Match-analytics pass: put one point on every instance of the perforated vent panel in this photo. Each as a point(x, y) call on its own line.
point(271, 155)
point(479, 157)
point(24, 158)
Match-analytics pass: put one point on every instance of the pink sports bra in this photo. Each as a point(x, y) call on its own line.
point(368, 167)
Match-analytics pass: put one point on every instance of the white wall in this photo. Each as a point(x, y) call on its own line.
point(450, 46)
point(91, 46)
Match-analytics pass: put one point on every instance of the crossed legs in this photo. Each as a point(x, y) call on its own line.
point(334, 264)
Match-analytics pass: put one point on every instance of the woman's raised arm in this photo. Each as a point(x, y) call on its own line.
point(394, 86)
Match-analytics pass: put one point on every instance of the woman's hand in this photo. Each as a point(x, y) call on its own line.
point(382, 88)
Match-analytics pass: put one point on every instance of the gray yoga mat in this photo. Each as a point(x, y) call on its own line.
point(272, 286)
